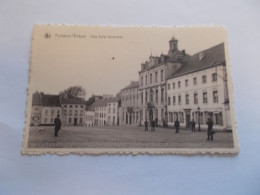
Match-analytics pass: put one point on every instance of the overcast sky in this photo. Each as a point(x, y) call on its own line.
point(58, 62)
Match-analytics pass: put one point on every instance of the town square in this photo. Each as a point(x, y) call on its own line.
point(177, 98)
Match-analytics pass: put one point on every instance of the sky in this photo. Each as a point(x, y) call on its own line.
point(101, 64)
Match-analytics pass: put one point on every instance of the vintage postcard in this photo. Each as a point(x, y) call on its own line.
point(129, 90)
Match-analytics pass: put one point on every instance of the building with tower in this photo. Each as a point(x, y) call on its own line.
point(152, 82)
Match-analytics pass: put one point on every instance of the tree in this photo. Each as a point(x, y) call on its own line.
point(73, 92)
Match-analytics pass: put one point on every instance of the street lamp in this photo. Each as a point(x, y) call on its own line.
point(199, 117)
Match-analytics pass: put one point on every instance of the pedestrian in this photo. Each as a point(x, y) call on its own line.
point(145, 125)
point(193, 125)
point(177, 126)
point(57, 124)
point(210, 131)
point(152, 125)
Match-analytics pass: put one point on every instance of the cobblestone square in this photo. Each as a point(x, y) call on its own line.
point(125, 137)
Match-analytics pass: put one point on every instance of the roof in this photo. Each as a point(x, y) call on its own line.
point(133, 84)
point(173, 38)
point(51, 100)
point(102, 103)
point(73, 101)
point(36, 99)
point(210, 58)
point(42, 99)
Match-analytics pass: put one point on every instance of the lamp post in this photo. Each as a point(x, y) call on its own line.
point(199, 117)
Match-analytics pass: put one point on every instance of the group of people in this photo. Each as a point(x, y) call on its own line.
point(153, 124)
point(210, 131)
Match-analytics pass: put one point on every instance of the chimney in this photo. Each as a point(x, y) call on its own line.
point(183, 52)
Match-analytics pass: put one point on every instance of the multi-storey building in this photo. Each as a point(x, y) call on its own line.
point(73, 111)
point(45, 109)
point(198, 90)
point(106, 111)
point(152, 82)
point(130, 108)
point(112, 111)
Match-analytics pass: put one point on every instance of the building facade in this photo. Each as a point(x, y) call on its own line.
point(45, 109)
point(130, 106)
point(199, 91)
point(152, 82)
point(73, 111)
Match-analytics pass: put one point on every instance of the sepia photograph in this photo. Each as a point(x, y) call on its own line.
point(122, 90)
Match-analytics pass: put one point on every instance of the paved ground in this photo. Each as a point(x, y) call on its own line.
point(124, 137)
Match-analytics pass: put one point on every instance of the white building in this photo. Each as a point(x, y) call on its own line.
point(130, 106)
point(45, 109)
point(112, 112)
point(198, 90)
point(73, 111)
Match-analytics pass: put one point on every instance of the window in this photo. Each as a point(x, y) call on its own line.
point(215, 96)
point(156, 77)
point(46, 112)
point(205, 97)
point(156, 96)
point(69, 120)
point(162, 95)
point(173, 85)
point(146, 97)
point(52, 120)
point(179, 84)
point(195, 98)
point(142, 81)
point(151, 78)
point(35, 109)
point(80, 120)
point(45, 120)
point(186, 83)
point(169, 101)
point(169, 86)
point(146, 80)
point(114, 110)
point(76, 106)
point(187, 99)
point(52, 112)
point(70, 106)
point(173, 100)
point(179, 99)
point(65, 106)
point(214, 77)
point(195, 81)
point(142, 96)
point(204, 79)
point(162, 75)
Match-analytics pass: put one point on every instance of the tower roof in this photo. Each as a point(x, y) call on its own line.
point(173, 39)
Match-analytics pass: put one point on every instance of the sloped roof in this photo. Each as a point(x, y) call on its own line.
point(50, 100)
point(36, 99)
point(42, 99)
point(133, 84)
point(102, 103)
point(211, 57)
point(73, 101)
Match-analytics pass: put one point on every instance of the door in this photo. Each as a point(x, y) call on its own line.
point(187, 120)
point(75, 121)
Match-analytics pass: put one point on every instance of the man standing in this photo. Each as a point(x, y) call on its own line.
point(193, 125)
point(145, 125)
point(57, 123)
point(177, 126)
point(210, 129)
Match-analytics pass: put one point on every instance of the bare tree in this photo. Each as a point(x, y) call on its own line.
point(73, 92)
